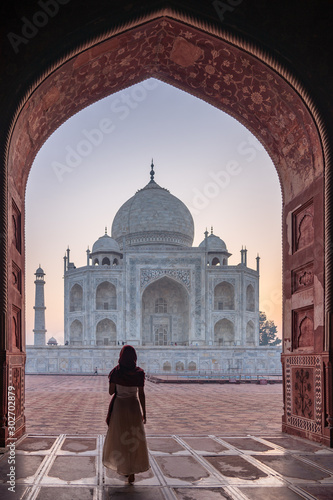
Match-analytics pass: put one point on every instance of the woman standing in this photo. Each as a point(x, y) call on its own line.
point(125, 446)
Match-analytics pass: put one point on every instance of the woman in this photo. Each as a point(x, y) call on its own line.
point(125, 446)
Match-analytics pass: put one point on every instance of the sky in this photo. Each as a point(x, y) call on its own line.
point(101, 156)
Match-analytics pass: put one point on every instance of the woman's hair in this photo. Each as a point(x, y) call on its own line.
point(127, 358)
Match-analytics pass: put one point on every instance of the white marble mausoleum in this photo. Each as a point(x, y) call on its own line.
point(184, 308)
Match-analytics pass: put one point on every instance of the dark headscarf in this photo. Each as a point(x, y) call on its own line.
point(126, 372)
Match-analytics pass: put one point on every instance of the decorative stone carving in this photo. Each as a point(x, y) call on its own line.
point(149, 275)
point(76, 282)
point(16, 226)
point(221, 278)
point(303, 227)
point(303, 329)
point(106, 315)
point(304, 392)
point(302, 278)
point(302, 380)
point(16, 327)
point(17, 277)
point(110, 279)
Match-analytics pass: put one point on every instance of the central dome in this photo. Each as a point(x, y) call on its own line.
point(153, 216)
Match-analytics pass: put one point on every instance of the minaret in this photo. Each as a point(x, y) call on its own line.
point(244, 256)
point(39, 330)
point(258, 260)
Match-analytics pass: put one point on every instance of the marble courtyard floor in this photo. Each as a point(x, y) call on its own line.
point(206, 441)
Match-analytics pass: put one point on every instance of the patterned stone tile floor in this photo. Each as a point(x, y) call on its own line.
point(78, 405)
point(206, 442)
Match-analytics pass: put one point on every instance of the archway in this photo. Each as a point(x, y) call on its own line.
point(106, 332)
point(238, 78)
point(250, 333)
point(75, 298)
point(224, 333)
point(165, 313)
point(224, 296)
point(250, 298)
point(106, 296)
point(76, 333)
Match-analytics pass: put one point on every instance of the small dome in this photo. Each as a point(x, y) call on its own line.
point(105, 244)
point(52, 341)
point(39, 271)
point(214, 243)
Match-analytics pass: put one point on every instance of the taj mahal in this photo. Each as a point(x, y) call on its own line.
point(184, 308)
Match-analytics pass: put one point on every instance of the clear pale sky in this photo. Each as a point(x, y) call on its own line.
point(101, 156)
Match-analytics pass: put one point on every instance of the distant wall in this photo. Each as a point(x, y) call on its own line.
point(226, 360)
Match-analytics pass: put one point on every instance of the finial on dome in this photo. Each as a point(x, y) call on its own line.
point(106, 230)
point(206, 233)
point(211, 230)
point(152, 173)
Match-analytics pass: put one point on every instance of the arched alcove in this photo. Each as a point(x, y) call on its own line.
point(250, 333)
point(250, 298)
point(106, 332)
point(76, 298)
point(166, 366)
point(165, 313)
point(76, 333)
point(224, 296)
point(224, 333)
point(106, 296)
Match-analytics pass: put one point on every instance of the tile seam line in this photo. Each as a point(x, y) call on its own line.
point(236, 493)
point(271, 472)
point(45, 466)
point(298, 457)
point(100, 469)
point(167, 492)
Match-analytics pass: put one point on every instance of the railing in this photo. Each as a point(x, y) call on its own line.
point(210, 375)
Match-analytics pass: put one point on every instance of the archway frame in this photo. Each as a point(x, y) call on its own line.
point(204, 61)
point(175, 282)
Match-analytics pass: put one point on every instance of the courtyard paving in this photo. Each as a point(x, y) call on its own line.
point(206, 441)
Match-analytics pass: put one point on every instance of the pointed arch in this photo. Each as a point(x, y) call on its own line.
point(106, 332)
point(76, 298)
point(106, 296)
point(224, 333)
point(296, 138)
point(250, 333)
point(250, 298)
point(224, 296)
point(165, 313)
point(76, 333)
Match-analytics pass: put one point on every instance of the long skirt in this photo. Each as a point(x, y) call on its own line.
point(125, 446)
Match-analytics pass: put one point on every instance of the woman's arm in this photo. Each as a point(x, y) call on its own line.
point(142, 399)
point(112, 388)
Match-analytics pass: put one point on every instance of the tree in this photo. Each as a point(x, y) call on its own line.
point(267, 331)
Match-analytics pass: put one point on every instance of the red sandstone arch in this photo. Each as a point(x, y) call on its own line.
point(239, 79)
